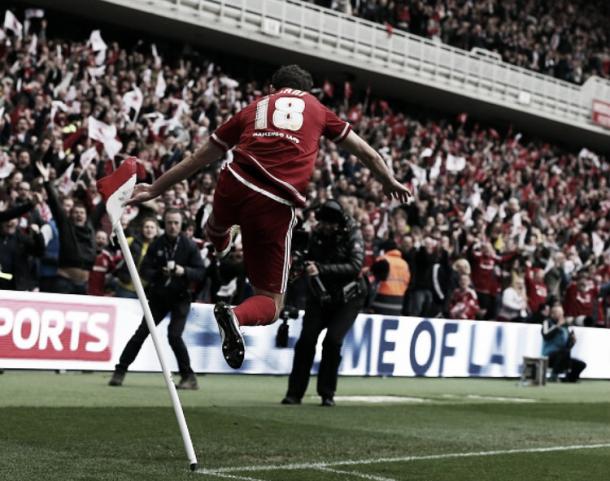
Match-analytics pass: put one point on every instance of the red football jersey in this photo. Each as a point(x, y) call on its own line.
point(276, 141)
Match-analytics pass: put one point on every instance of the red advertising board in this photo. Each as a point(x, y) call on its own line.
point(56, 330)
point(601, 113)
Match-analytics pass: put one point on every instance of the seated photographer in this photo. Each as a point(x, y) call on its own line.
point(335, 296)
point(557, 344)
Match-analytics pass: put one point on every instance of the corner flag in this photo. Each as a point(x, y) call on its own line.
point(116, 189)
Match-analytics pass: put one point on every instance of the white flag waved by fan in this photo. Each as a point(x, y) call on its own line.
point(100, 131)
point(11, 23)
point(96, 41)
point(106, 134)
point(87, 157)
point(95, 72)
point(55, 106)
point(161, 85)
point(133, 100)
point(33, 45)
point(6, 166)
point(155, 55)
point(65, 184)
point(454, 163)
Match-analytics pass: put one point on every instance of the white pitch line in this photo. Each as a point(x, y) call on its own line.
point(371, 477)
point(228, 476)
point(400, 459)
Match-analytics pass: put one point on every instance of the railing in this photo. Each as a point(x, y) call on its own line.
point(318, 31)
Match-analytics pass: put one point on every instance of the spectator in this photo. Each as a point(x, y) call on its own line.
point(371, 246)
point(138, 245)
point(464, 303)
point(460, 267)
point(16, 250)
point(76, 242)
point(545, 36)
point(393, 276)
point(579, 301)
point(18, 210)
point(557, 344)
point(537, 292)
point(420, 296)
point(485, 265)
point(555, 277)
point(514, 302)
point(101, 273)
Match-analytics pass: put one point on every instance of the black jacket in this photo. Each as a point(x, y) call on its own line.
point(15, 252)
point(16, 211)
point(76, 243)
point(158, 254)
point(339, 259)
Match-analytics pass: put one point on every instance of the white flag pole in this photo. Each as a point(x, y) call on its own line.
point(135, 277)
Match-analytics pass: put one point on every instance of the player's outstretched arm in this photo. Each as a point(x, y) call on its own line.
point(207, 154)
point(355, 145)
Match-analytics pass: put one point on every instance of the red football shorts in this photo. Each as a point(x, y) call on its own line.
point(266, 230)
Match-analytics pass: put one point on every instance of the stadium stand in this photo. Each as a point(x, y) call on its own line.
point(515, 208)
point(544, 36)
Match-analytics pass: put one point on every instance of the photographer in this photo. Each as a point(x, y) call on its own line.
point(171, 263)
point(335, 296)
point(557, 344)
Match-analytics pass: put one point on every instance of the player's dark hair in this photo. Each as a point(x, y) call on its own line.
point(292, 76)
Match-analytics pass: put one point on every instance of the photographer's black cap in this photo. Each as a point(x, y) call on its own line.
point(331, 211)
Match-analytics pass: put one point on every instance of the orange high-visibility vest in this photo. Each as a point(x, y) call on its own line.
point(390, 292)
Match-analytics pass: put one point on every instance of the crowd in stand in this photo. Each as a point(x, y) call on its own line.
point(569, 39)
point(501, 227)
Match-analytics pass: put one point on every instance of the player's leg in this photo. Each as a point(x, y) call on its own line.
point(267, 259)
point(266, 235)
point(218, 227)
point(219, 235)
point(262, 308)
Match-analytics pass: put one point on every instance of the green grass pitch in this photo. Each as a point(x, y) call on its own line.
point(74, 427)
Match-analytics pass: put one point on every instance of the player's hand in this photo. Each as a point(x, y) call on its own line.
point(395, 190)
point(179, 271)
point(142, 193)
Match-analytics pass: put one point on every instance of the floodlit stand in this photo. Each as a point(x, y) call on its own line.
point(135, 277)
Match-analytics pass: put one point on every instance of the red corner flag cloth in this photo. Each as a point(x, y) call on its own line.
point(116, 189)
